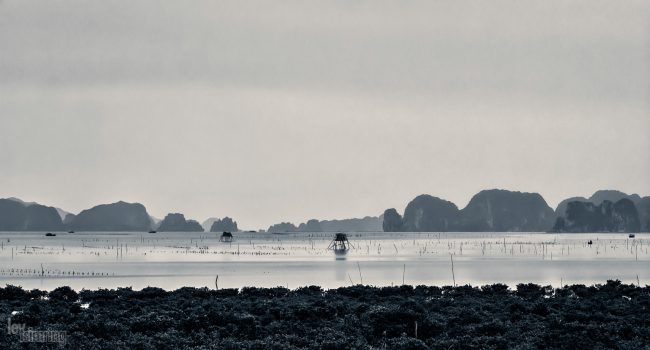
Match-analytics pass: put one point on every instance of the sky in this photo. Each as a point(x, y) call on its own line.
point(270, 111)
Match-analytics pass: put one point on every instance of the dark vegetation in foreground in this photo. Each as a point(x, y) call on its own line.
point(610, 316)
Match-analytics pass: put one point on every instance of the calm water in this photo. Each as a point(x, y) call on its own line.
point(174, 260)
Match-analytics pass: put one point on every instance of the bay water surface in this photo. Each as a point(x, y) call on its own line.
point(171, 260)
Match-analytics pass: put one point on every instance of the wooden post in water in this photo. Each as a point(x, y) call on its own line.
point(360, 276)
point(452, 269)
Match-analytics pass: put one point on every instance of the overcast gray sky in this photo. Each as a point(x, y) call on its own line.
point(288, 110)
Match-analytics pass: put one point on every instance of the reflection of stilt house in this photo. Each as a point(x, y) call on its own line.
point(340, 244)
point(226, 237)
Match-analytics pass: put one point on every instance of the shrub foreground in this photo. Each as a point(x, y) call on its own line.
point(609, 316)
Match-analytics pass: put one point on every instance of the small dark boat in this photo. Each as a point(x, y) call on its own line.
point(70, 231)
point(632, 235)
point(153, 231)
point(50, 234)
point(226, 237)
point(590, 242)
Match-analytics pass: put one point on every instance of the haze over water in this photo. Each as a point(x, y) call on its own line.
point(175, 260)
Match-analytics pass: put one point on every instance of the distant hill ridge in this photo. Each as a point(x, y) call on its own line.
point(489, 210)
point(365, 224)
point(62, 213)
point(120, 216)
point(621, 216)
point(176, 222)
point(619, 212)
point(502, 210)
point(20, 216)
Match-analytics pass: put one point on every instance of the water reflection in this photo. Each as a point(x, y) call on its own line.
point(340, 271)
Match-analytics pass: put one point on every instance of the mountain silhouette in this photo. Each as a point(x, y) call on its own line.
point(501, 210)
point(621, 216)
point(21, 216)
point(489, 210)
point(120, 216)
point(175, 222)
point(224, 225)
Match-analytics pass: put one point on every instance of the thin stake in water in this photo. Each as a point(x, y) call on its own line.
point(360, 276)
point(453, 275)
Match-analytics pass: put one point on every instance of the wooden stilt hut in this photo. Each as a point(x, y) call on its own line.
point(340, 244)
point(226, 237)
